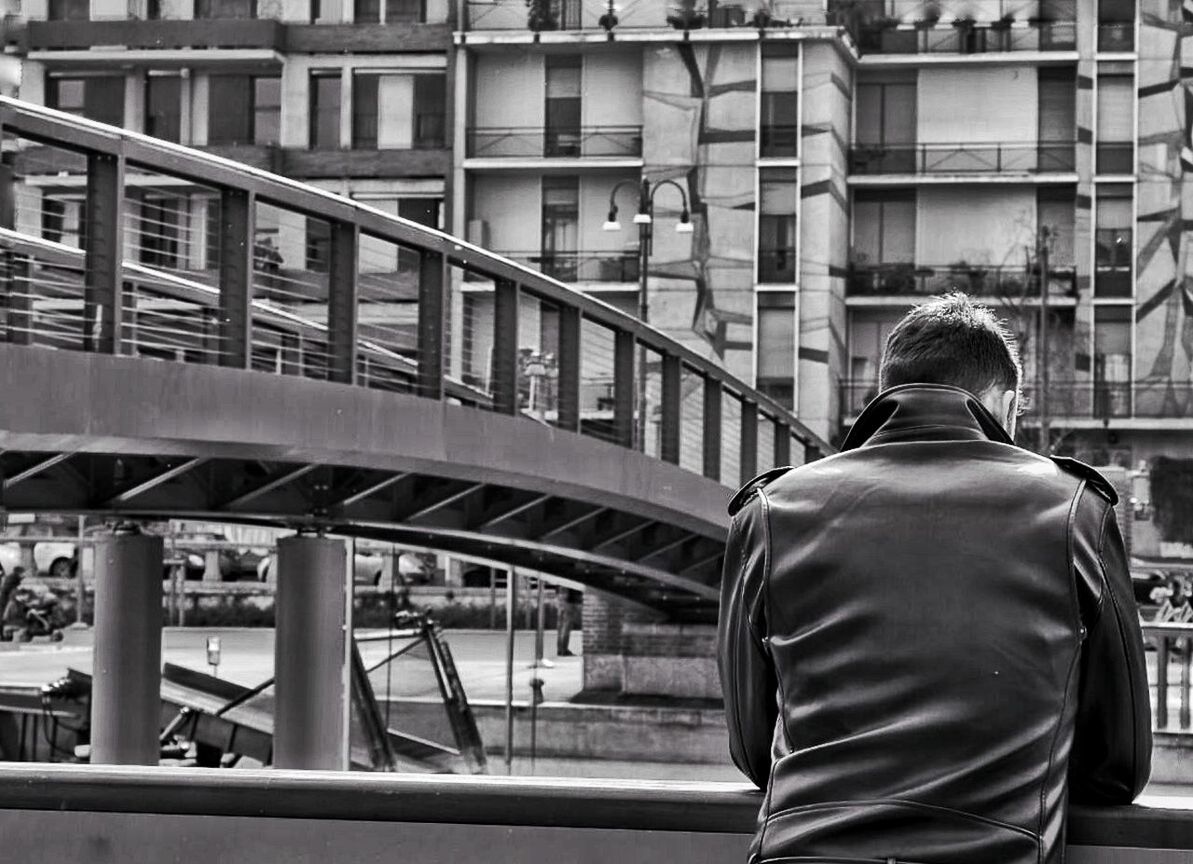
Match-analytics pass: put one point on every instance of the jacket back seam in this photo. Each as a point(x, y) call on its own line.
point(1064, 702)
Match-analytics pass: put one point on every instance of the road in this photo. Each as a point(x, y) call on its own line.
point(246, 657)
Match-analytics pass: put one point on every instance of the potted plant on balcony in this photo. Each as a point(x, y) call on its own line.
point(542, 15)
point(686, 16)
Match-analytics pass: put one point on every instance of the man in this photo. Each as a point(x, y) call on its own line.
point(928, 642)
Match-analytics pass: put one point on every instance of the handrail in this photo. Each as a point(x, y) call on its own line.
point(647, 805)
point(61, 255)
point(77, 134)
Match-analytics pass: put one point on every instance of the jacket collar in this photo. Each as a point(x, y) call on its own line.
point(924, 412)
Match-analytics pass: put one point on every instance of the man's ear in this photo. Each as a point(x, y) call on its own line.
point(1010, 411)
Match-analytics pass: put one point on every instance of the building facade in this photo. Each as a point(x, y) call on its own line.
point(835, 162)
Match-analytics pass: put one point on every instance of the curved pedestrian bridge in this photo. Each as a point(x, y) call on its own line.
point(186, 336)
point(193, 816)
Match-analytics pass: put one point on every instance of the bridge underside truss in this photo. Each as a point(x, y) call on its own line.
point(666, 567)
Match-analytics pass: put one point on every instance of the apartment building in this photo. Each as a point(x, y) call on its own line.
point(825, 165)
point(841, 162)
point(349, 95)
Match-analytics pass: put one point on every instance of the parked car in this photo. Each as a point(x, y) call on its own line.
point(368, 569)
point(50, 557)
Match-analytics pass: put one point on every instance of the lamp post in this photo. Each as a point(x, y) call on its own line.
point(644, 219)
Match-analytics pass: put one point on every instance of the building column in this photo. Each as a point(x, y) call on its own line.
point(310, 654)
point(126, 688)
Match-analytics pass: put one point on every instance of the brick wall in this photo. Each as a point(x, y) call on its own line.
point(632, 651)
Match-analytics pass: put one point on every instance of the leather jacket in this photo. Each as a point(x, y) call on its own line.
point(928, 643)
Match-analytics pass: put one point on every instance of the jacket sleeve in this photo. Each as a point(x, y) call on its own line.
point(747, 676)
point(1112, 745)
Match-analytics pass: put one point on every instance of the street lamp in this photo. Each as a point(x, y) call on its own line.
point(644, 219)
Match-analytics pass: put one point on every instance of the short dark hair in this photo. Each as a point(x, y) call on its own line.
point(951, 340)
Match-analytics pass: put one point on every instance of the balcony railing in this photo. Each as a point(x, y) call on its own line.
point(1073, 400)
point(1030, 157)
point(582, 266)
point(209, 33)
point(538, 142)
point(977, 279)
point(967, 37)
point(679, 14)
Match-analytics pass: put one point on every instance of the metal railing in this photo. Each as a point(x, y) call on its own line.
point(269, 274)
point(967, 157)
point(542, 142)
point(1010, 282)
point(966, 37)
point(281, 815)
point(1072, 400)
point(1169, 674)
point(550, 15)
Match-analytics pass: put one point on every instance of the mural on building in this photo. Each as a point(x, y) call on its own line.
point(699, 131)
point(1164, 269)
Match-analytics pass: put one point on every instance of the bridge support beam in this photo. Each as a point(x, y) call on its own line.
point(311, 654)
point(126, 688)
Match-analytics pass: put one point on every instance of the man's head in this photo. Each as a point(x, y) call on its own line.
point(952, 340)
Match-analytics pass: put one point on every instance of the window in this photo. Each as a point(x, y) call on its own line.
point(62, 220)
point(882, 258)
point(424, 211)
point(163, 107)
point(430, 102)
point(1057, 118)
point(243, 109)
point(1113, 239)
point(868, 331)
point(325, 110)
point(775, 352)
point(161, 222)
point(886, 121)
point(1112, 361)
point(318, 254)
point(1056, 209)
point(778, 200)
point(99, 98)
point(267, 110)
point(397, 112)
point(69, 10)
point(1116, 124)
point(365, 121)
point(225, 9)
point(780, 100)
point(562, 109)
point(1116, 25)
point(561, 219)
point(389, 11)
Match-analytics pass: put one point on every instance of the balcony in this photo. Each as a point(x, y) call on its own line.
point(603, 142)
point(965, 36)
point(573, 15)
point(160, 35)
point(1092, 400)
point(611, 267)
point(367, 38)
point(1027, 157)
point(309, 164)
point(980, 280)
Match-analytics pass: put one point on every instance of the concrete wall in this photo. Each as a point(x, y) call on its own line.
point(947, 110)
point(991, 225)
point(628, 651)
point(824, 235)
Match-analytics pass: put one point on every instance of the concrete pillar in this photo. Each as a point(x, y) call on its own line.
point(126, 689)
point(211, 565)
point(311, 654)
